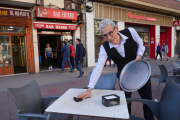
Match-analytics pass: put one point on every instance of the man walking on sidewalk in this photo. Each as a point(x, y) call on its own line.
point(72, 54)
point(79, 57)
point(66, 56)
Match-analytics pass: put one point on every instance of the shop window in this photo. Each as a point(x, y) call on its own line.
point(98, 39)
point(11, 29)
point(5, 51)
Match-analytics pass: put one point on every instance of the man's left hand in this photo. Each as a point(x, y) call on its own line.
point(137, 57)
point(79, 61)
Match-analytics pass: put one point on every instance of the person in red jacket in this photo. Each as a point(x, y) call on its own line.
point(72, 54)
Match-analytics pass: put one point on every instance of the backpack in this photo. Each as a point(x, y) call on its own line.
point(84, 52)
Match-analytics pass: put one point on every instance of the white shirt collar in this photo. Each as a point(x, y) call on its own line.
point(122, 42)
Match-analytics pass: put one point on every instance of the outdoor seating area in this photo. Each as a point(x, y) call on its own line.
point(31, 105)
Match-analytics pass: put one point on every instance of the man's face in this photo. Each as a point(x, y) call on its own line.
point(77, 42)
point(110, 34)
point(163, 43)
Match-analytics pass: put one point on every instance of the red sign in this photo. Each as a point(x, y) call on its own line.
point(14, 12)
point(55, 13)
point(56, 26)
point(130, 15)
point(176, 23)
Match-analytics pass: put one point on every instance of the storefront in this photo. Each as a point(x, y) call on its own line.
point(16, 45)
point(152, 28)
point(53, 26)
point(176, 24)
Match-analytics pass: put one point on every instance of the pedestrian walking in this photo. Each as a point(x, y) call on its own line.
point(164, 51)
point(122, 47)
point(66, 56)
point(108, 59)
point(79, 57)
point(49, 55)
point(72, 54)
point(158, 52)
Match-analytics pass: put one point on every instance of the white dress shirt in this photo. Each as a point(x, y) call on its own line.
point(120, 48)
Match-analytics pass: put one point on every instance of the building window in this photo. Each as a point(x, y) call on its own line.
point(98, 39)
point(5, 51)
point(11, 29)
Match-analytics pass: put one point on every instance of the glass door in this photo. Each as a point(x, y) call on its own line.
point(145, 38)
point(19, 54)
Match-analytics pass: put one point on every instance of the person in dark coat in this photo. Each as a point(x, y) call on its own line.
point(79, 57)
point(158, 52)
point(66, 56)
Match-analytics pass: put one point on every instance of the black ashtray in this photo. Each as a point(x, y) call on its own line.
point(110, 100)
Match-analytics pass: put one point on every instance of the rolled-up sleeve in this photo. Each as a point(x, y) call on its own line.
point(138, 40)
point(99, 67)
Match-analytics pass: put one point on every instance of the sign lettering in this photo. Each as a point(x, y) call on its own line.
point(130, 15)
point(55, 13)
point(15, 13)
point(57, 26)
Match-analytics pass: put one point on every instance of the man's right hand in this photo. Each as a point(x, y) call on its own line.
point(86, 94)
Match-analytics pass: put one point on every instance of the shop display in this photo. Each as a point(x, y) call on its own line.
point(5, 51)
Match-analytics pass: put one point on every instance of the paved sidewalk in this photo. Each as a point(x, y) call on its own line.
point(55, 84)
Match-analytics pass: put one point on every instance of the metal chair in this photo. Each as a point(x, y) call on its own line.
point(105, 81)
point(167, 108)
point(176, 64)
point(164, 76)
point(29, 102)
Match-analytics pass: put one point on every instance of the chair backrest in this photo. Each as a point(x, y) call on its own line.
point(164, 73)
point(105, 81)
point(169, 104)
point(27, 98)
point(176, 64)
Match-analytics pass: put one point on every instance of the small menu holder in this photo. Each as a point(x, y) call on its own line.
point(110, 100)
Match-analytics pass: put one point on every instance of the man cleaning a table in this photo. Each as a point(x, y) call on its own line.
point(122, 47)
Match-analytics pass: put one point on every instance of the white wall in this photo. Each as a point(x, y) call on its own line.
point(157, 38)
point(121, 25)
point(90, 38)
point(59, 3)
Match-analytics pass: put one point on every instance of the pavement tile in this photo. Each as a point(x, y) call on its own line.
point(74, 82)
point(3, 94)
point(13, 110)
point(4, 99)
point(53, 90)
point(4, 115)
point(14, 117)
point(4, 106)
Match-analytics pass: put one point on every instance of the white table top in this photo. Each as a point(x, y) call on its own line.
point(91, 106)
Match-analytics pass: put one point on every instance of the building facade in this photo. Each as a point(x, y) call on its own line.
point(153, 28)
point(16, 45)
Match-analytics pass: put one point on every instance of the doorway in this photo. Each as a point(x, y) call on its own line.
point(19, 54)
point(145, 37)
point(55, 44)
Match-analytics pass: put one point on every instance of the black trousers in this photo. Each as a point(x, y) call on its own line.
point(72, 61)
point(49, 59)
point(158, 53)
point(145, 93)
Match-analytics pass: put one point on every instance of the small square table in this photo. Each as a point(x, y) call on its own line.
point(90, 106)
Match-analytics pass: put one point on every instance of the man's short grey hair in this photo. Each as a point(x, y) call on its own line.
point(105, 23)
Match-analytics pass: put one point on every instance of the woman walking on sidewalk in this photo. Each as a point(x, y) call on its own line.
point(158, 52)
point(164, 51)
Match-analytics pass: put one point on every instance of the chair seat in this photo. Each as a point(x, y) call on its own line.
point(135, 118)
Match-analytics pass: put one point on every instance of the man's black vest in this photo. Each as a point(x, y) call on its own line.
point(130, 49)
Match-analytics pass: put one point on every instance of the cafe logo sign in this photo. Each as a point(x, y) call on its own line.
point(176, 23)
point(130, 15)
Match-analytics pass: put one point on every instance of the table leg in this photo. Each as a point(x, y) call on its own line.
point(69, 117)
